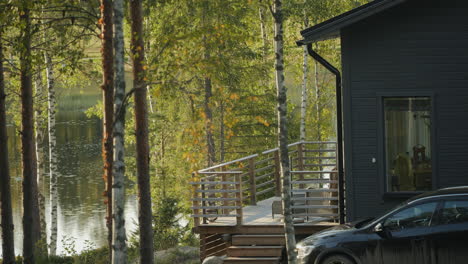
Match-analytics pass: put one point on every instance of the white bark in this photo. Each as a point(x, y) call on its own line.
point(39, 123)
point(283, 135)
point(119, 248)
point(317, 103)
point(54, 174)
point(261, 11)
point(304, 97)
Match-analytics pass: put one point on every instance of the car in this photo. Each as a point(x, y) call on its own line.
point(431, 228)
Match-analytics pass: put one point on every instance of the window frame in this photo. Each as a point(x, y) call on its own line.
point(381, 144)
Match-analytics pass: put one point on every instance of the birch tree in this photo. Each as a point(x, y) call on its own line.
point(8, 245)
point(304, 96)
point(119, 248)
point(39, 137)
point(141, 134)
point(283, 133)
point(107, 88)
point(53, 163)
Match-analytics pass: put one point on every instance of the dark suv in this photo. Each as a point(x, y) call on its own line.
point(431, 228)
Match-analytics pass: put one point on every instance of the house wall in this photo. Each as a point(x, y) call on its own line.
point(419, 48)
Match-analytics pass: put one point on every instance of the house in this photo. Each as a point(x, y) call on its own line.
point(404, 99)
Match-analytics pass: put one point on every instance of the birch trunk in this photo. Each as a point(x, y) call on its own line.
point(283, 135)
point(261, 12)
point(107, 88)
point(39, 124)
point(119, 248)
point(8, 245)
point(317, 104)
point(141, 134)
point(53, 163)
point(209, 122)
point(31, 218)
point(222, 150)
point(304, 96)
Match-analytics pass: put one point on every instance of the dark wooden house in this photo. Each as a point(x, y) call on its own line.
point(404, 99)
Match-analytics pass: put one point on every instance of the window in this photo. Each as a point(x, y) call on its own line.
point(416, 216)
point(408, 148)
point(454, 212)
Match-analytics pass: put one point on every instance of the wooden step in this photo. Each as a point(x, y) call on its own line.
point(258, 240)
point(235, 260)
point(254, 251)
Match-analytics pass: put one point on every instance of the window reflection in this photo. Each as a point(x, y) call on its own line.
point(417, 216)
point(408, 143)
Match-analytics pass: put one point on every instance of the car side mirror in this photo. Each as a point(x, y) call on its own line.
point(378, 228)
point(382, 231)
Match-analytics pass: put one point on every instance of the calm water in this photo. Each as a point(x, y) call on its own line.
point(81, 208)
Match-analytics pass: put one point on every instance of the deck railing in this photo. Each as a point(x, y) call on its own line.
point(223, 190)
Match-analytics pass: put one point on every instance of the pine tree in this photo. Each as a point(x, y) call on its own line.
point(8, 245)
point(31, 218)
point(141, 134)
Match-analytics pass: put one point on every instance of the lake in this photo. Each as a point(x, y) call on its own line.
point(81, 208)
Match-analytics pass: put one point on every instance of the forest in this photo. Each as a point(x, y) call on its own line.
point(108, 106)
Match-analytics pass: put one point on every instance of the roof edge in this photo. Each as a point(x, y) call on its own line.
point(332, 28)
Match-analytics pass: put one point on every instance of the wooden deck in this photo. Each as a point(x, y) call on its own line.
point(261, 214)
point(234, 200)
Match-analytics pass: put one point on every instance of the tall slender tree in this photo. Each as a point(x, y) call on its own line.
point(141, 133)
point(119, 247)
point(305, 67)
point(304, 96)
point(8, 245)
point(53, 162)
point(40, 157)
point(283, 133)
point(208, 92)
point(31, 218)
point(107, 88)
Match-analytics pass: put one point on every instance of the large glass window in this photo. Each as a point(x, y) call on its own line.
point(408, 143)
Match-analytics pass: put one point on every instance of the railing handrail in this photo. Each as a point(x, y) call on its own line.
point(203, 171)
point(227, 163)
point(276, 149)
point(222, 188)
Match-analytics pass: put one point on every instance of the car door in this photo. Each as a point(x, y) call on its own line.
point(405, 235)
point(450, 238)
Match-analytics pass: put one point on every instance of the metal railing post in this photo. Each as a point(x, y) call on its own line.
point(300, 162)
point(224, 178)
point(277, 173)
point(196, 203)
point(239, 211)
point(253, 186)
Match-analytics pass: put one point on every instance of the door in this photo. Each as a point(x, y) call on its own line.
point(405, 235)
point(450, 239)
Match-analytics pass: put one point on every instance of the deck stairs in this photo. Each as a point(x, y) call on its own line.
point(255, 249)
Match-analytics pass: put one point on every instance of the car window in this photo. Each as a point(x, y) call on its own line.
point(454, 212)
point(414, 216)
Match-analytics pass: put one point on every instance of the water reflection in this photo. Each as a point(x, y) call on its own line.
point(81, 208)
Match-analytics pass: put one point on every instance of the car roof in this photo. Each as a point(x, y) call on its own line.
point(450, 191)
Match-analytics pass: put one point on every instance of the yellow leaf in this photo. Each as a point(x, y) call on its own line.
point(234, 96)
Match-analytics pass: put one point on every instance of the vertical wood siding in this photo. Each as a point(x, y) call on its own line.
point(417, 48)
